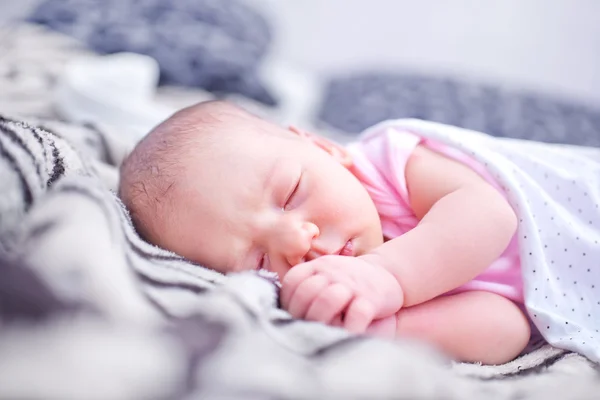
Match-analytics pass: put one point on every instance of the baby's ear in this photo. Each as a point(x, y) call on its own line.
point(337, 151)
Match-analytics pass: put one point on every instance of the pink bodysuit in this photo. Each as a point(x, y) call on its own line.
point(380, 158)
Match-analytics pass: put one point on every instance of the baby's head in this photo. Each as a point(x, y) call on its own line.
point(231, 191)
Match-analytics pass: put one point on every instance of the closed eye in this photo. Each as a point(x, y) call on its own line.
point(287, 205)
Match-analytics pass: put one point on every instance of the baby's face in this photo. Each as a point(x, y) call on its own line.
point(270, 201)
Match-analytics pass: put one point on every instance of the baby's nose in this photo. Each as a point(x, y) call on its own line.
point(310, 230)
point(301, 244)
point(314, 251)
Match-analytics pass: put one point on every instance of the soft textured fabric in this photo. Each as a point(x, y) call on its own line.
point(555, 191)
point(380, 160)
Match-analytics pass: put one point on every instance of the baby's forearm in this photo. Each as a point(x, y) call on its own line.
point(462, 234)
point(470, 326)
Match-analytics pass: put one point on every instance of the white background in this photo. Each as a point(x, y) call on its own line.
point(550, 46)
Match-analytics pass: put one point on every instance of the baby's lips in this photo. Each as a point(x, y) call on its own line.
point(347, 249)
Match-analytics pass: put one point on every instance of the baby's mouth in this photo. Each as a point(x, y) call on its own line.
point(347, 249)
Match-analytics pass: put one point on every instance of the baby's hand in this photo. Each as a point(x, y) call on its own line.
point(341, 291)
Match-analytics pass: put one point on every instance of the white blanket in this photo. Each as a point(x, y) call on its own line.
point(555, 192)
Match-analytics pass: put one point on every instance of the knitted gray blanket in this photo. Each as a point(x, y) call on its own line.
point(90, 311)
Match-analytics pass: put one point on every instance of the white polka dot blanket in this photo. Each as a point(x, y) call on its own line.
point(555, 191)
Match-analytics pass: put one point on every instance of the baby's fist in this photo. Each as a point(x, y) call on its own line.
point(341, 291)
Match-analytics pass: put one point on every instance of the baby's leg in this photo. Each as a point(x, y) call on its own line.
point(470, 326)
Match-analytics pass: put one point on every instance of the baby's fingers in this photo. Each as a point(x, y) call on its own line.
point(329, 303)
point(304, 294)
point(337, 321)
point(359, 315)
point(292, 280)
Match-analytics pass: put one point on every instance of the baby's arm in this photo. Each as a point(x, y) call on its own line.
point(465, 224)
point(470, 326)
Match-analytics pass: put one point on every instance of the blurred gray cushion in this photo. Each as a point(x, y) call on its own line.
point(213, 44)
point(356, 102)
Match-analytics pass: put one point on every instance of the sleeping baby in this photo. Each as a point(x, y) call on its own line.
point(420, 230)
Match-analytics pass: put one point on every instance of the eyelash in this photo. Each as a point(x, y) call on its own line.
point(293, 193)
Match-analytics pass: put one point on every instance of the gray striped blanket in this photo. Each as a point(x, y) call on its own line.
point(90, 311)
